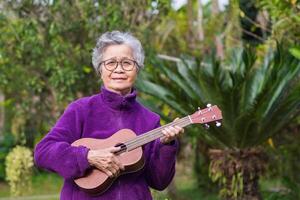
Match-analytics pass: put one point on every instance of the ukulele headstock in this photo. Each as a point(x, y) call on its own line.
point(206, 115)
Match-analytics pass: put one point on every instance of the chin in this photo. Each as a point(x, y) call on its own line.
point(122, 88)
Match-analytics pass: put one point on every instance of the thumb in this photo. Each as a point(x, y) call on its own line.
point(177, 118)
point(114, 149)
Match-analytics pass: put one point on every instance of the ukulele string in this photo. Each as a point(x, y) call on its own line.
point(181, 122)
point(144, 136)
point(156, 133)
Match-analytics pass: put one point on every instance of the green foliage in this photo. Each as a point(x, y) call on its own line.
point(290, 191)
point(258, 95)
point(285, 19)
point(19, 163)
point(256, 91)
point(254, 32)
point(45, 63)
point(284, 165)
point(295, 51)
point(5, 145)
point(45, 53)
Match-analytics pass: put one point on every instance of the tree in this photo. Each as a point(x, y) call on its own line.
point(45, 54)
point(258, 96)
point(284, 17)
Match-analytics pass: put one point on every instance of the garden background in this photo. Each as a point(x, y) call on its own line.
point(242, 55)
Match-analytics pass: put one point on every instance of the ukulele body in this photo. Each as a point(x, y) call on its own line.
point(95, 181)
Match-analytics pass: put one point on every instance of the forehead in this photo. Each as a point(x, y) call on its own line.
point(118, 51)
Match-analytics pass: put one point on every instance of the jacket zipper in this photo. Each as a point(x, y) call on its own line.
point(121, 126)
point(119, 189)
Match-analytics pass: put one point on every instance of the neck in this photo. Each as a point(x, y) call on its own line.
point(154, 134)
point(120, 92)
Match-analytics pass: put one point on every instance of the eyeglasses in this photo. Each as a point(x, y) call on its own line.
point(126, 64)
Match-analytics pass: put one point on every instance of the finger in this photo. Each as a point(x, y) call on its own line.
point(110, 157)
point(166, 132)
point(114, 169)
point(114, 149)
point(171, 131)
point(180, 129)
point(168, 135)
point(107, 172)
point(177, 118)
point(165, 138)
point(118, 163)
point(111, 162)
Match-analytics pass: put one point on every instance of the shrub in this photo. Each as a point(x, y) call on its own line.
point(19, 163)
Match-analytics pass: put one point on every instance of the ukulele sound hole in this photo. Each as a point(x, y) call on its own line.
point(123, 148)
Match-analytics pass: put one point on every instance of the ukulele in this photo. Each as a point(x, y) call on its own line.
point(131, 154)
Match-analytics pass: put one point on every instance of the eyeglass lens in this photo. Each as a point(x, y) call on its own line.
point(126, 64)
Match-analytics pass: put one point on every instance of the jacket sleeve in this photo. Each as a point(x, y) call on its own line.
point(160, 165)
point(55, 152)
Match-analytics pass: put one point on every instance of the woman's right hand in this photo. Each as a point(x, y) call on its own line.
point(106, 161)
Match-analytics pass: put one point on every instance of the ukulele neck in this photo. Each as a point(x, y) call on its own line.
point(155, 134)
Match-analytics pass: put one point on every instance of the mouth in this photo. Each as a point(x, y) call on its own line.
point(119, 79)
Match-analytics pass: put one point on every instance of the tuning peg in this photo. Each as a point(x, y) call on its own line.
point(199, 111)
point(206, 126)
point(208, 105)
point(218, 124)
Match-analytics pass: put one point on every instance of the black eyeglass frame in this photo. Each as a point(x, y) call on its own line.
point(118, 62)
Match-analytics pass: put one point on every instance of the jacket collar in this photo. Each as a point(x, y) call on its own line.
point(117, 101)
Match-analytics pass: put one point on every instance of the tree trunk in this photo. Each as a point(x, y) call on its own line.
point(238, 172)
point(233, 30)
point(200, 21)
point(190, 37)
point(1, 115)
point(262, 20)
point(218, 38)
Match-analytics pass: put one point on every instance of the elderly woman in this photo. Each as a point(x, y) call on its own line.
point(117, 58)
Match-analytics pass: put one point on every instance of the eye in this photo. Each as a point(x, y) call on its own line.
point(127, 62)
point(111, 62)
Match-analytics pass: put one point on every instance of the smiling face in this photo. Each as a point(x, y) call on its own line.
point(118, 80)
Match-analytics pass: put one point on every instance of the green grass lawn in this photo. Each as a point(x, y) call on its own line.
point(4, 189)
point(46, 183)
point(42, 184)
point(49, 184)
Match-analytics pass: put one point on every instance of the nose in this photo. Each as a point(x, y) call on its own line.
point(119, 68)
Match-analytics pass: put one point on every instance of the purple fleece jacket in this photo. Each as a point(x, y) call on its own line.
point(100, 116)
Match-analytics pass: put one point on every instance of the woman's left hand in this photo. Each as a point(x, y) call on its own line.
point(171, 133)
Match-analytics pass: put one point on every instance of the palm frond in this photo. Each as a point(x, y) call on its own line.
point(257, 95)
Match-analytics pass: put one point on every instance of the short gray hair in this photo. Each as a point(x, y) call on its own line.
point(117, 37)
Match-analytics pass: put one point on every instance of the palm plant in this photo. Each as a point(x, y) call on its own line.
point(258, 95)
